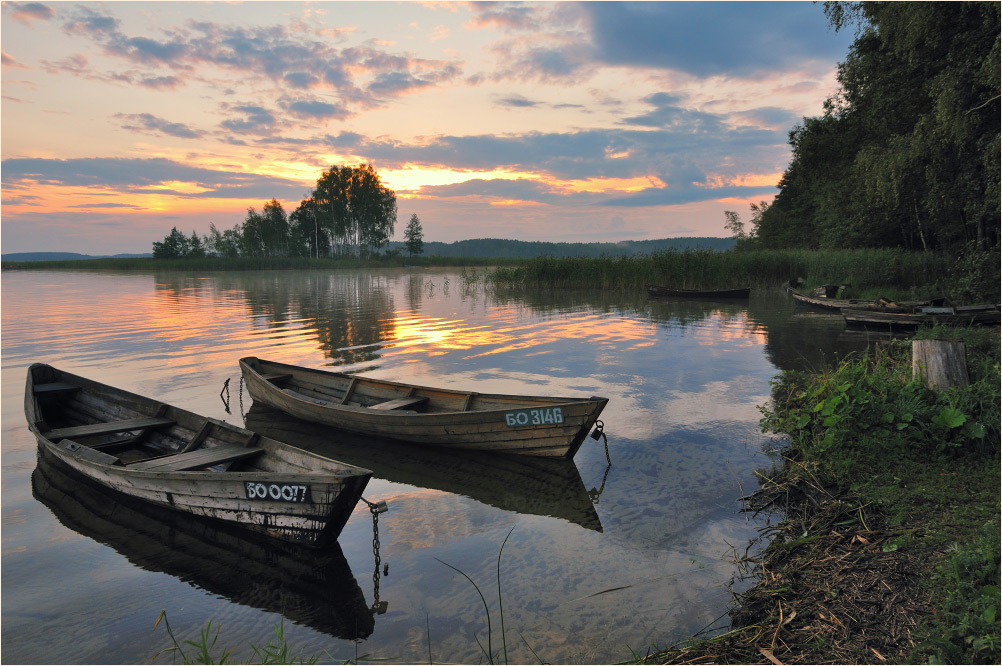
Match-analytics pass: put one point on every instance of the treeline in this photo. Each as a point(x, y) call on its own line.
point(906, 154)
point(350, 213)
point(504, 248)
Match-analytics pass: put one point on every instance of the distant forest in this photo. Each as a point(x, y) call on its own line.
point(479, 248)
point(501, 248)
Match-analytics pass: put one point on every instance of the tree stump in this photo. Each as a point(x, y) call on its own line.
point(940, 364)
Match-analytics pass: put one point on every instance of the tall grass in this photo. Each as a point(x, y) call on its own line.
point(700, 269)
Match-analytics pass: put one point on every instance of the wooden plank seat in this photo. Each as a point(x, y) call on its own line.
point(108, 428)
point(401, 403)
point(309, 398)
point(182, 462)
point(55, 387)
point(276, 378)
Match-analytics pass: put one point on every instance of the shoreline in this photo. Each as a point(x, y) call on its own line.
point(891, 559)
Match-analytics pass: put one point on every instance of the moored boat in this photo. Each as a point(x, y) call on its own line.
point(520, 484)
point(668, 292)
point(177, 459)
point(971, 315)
point(836, 304)
point(517, 424)
point(309, 586)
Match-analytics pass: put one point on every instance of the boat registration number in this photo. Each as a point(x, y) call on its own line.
point(279, 492)
point(527, 417)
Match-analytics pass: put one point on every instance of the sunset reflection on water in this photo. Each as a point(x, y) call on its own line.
point(649, 517)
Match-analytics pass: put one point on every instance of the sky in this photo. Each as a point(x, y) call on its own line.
point(564, 121)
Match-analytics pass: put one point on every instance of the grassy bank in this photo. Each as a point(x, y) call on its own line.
point(889, 547)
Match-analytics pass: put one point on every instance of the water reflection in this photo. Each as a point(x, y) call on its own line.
point(582, 579)
point(311, 587)
point(540, 487)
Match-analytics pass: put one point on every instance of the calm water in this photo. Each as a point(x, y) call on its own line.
point(601, 559)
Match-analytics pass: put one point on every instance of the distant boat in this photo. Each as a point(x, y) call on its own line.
point(858, 304)
point(520, 424)
point(971, 315)
point(668, 292)
point(189, 463)
point(309, 586)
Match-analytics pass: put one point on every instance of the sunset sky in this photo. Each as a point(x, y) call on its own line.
point(560, 121)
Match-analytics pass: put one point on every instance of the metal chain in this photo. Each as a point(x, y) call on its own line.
point(241, 393)
point(376, 558)
point(226, 390)
point(376, 508)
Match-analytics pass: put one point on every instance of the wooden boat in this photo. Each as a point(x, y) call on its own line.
point(177, 459)
point(520, 484)
point(309, 586)
point(668, 292)
point(519, 424)
point(836, 304)
point(972, 315)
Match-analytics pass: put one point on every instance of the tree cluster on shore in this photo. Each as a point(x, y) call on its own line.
point(350, 213)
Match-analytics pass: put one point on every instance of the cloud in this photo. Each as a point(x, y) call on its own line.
point(668, 113)
point(739, 39)
point(148, 123)
point(8, 60)
point(517, 101)
point(517, 190)
point(315, 109)
point(257, 120)
point(506, 16)
point(362, 76)
point(141, 176)
point(674, 197)
point(26, 12)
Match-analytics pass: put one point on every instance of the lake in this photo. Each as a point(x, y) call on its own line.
point(630, 545)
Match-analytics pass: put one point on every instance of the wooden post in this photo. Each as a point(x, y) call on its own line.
point(940, 364)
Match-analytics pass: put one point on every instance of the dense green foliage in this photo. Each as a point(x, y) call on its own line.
point(907, 151)
point(350, 213)
point(916, 458)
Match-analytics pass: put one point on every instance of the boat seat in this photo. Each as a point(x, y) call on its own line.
point(400, 403)
point(276, 378)
point(55, 387)
point(107, 428)
point(182, 462)
point(301, 396)
point(87, 453)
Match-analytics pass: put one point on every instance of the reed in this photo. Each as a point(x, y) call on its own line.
point(701, 269)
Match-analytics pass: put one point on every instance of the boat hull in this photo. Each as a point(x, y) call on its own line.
point(667, 292)
point(284, 492)
point(522, 425)
point(892, 320)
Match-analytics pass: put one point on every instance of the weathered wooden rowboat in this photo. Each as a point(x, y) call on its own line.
point(971, 315)
point(309, 586)
point(519, 424)
point(521, 484)
point(177, 459)
point(668, 292)
point(836, 304)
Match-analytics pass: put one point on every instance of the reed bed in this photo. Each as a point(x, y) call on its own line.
point(701, 269)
